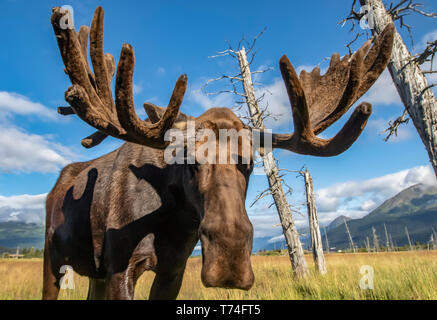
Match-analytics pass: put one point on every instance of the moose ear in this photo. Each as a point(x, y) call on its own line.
point(155, 113)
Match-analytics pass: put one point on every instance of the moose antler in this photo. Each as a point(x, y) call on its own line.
point(90, 95)
point(318, 101)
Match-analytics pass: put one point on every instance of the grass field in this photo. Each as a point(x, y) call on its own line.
point(397, 275)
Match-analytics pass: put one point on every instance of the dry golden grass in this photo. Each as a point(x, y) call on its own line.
point(398, 275)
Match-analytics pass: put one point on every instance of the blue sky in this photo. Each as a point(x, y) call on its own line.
point(175, 37)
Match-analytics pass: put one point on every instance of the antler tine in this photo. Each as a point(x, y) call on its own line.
point(97, 137)
point(94, 139)
point(318, 101)
point(296, 94)
point(98, 59)
point(377, 58)
point(83, 35)
point(149, 132)
point(361, 72)
point(349, 94)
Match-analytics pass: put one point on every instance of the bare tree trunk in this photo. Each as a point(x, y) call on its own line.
point(435, 234)
point(326, 240)
point(294, 245)
point(391, 243)
point(387, 240)
point(316, 238)
point(410, 82)
point(409, 240)
point(351, 242)
point(375, 240)
point(367, 244)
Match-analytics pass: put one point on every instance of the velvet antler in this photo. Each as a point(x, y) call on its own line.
point(318, 101)
point(90, 95)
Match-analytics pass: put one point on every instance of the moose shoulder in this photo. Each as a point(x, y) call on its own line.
point(129, 211)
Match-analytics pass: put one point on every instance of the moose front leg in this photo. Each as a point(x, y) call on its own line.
point(166, 285)
point(172, 260)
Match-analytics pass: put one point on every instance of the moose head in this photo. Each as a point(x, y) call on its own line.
point(216, 192)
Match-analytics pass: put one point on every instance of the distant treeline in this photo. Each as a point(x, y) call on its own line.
point(26, 252)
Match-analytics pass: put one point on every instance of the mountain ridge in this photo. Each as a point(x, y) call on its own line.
point(414, 207)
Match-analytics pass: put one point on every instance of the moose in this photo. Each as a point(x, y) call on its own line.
point(129, 211)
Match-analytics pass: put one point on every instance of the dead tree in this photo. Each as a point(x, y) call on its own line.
point(434, 233)
point(392, 245)
point(294, 245)
point(432, 241)
point(387, 240)
point(375, 240)
point(316, 239)
point(410, 81)
point(351, 242)
point(367, 244)
point(408, 237)
point(326, 239)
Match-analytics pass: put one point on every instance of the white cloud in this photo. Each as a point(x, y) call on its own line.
point(24, 208)
point(368, 205)
point(278, 103)
point(263, 225)
point(277, 239)
point(266, 221)
point(26, 152)
point(13, 103)
point(357, 198)
point(383, 92)
point(20, 151)
point(211, 101)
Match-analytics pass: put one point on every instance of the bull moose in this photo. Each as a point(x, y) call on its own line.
point(114, 217)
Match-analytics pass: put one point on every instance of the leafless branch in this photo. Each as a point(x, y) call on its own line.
point(428, 87)
point(352, 17)
point(236, 77)
point(398, 11)
point(394, 125)
point(405, 7)
point(348, 46)
point(428, 54)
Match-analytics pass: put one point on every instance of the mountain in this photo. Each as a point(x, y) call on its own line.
point(24, 235)
point(337, 222)
point(414, 208)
